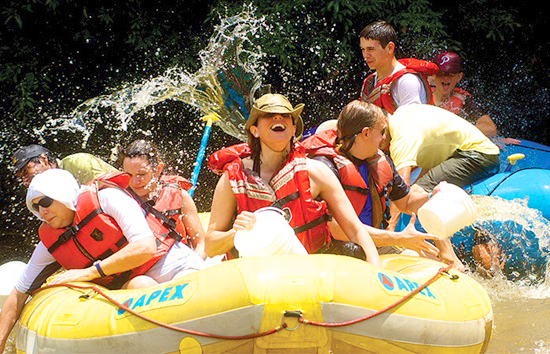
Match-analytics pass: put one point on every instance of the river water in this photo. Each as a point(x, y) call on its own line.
point(521, 319)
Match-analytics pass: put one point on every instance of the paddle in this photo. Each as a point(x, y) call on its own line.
point(213, 117)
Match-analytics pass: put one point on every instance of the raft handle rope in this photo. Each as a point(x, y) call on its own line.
point(296, 314)
point(158, 323)
point(284, 325)
point(381, 311)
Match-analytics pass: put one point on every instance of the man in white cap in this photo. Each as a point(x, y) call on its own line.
point(272, 170)
point(97, 234)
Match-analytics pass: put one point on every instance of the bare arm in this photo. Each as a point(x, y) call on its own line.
point(131, 256)
point(193, 226)
point(410, 238)
point(220, 234)
point(326, 186)
point(486, 125)
point(10, 314)
point(413, 201)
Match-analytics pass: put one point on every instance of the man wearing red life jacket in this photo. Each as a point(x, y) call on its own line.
point(273, 170)
point(395, 82)
point(448, 96)
point(98, 233)
point(460, 102)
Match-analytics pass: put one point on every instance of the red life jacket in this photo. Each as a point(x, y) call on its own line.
point(381, 95)
point(167, 207)
point(95, 235)
point(289, 189)
point(380, 175)
point(170, 202)
point(455, 101)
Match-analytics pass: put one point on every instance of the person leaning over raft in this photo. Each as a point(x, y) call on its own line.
point(370, 178)
point(272, 169)
point(30, 160)
point(445, 146)
point(116, 247)
point(394, 83)
point(164, 196)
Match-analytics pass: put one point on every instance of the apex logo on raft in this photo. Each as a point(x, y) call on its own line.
point(170, 293)
point(392, 283)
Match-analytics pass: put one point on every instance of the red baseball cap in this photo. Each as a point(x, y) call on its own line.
point(449, 62)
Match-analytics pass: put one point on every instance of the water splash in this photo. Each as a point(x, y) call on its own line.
point(533, 225)
point(523, 234)
point(230, 75)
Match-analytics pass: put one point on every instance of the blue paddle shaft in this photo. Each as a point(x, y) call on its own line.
point(200, 157)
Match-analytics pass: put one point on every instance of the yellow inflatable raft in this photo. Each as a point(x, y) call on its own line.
point(276, 296)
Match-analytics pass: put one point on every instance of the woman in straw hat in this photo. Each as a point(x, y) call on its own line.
point(272, 170)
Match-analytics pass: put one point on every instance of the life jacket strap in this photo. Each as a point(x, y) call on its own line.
point(167, 222)
point(279, 203)
point(73, 230)
point(313, 223)
point(364, 191)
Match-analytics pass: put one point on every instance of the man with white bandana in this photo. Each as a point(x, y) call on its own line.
point(56, 198)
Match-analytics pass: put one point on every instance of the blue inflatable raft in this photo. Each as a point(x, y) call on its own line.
point(528, 179)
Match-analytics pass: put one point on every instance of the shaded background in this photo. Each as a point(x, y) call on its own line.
point(54, 54)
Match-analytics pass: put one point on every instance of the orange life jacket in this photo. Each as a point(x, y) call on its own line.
point(381, 95)
point(357, 190)
point(455, 101)
point(289, 189)
point(169, 203)
point(95, 235)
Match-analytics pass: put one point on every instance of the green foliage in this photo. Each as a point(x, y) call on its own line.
point(66, 50)
point(491, 19)
point(314, 46)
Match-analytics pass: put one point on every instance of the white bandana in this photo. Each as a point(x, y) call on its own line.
point(57, 184)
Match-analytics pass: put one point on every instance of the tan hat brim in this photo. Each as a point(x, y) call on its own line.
point(255, 113)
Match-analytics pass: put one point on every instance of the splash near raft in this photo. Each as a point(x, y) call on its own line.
point(325, 303)
point(513, 210)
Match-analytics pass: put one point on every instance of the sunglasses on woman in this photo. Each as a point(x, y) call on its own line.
point(44, 202)
point(346, 148)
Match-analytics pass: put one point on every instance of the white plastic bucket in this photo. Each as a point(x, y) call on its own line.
point(447, 211)
point(9, 274)
point(270, 235)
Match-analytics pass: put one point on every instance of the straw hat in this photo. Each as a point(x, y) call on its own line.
point(276, 103)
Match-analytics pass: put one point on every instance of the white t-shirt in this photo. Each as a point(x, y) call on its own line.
point(131, 219)
point(408, 89)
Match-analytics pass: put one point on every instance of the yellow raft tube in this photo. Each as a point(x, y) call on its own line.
point(252, 295)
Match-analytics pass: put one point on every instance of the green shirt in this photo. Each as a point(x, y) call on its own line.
point(85, 167)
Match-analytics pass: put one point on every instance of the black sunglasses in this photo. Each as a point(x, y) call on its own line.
point(45, 202)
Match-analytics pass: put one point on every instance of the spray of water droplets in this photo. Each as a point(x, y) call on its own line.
point(230, 75)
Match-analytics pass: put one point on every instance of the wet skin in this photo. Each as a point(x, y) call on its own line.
point(142, 175)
